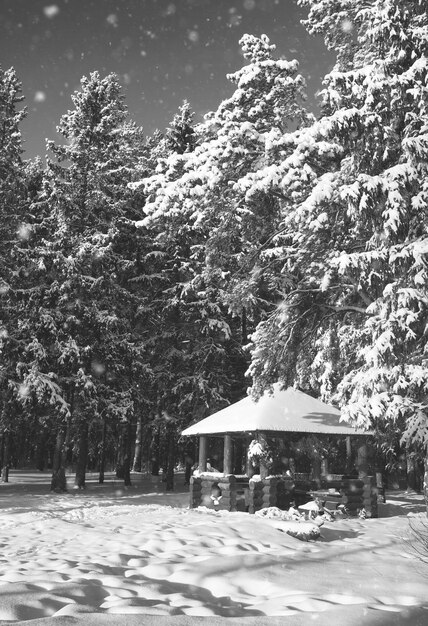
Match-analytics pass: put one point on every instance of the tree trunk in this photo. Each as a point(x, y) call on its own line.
point(137, 465)
point(189, 461)
point(41, 450)
point(102, 453)
point(6, 453)
point(1, 450)
point(420, 469)
point(426, 481)
point(411, 470)
point(244, 333)
point(127, 455)
point(155, 454)
point(123, 469)
point(59, 482)
point(82, 456)
point(170, 458)
point(119, 454)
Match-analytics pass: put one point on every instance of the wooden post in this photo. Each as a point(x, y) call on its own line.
point(264, 472)
point(362, 461)
point(228, 450)
point(202, 453)
point(348, 454)
point(316, 471)
point(324, 467)
point(248, 465)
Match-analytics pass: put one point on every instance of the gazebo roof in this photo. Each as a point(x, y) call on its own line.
point(285, 410)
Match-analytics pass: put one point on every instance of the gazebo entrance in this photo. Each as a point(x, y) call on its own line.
point(280, 415)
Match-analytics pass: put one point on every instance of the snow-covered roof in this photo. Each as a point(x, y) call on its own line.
point(286, 410)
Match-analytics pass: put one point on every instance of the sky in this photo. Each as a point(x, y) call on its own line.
point(163, 51)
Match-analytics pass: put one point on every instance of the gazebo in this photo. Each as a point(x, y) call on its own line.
point(274, 414)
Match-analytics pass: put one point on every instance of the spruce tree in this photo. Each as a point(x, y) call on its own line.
point(187, 351)
point(352, 323)
point(211, 232)
point(13, 228)
point(85, 334)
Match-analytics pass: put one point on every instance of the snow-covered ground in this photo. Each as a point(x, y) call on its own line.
point(111, 555)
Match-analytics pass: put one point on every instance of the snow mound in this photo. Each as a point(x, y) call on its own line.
point(290, 522)
point(274, 512)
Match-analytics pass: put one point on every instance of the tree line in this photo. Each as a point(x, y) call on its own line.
point(148, 281)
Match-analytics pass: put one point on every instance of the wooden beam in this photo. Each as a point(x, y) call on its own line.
point(348, 454)
point(316, 471)
point(202, 453)
point(362, 461)
point(228, 454)
point(324, 466)
point(248, 464)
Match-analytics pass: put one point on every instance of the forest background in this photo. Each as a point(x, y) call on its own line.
point(146, 282)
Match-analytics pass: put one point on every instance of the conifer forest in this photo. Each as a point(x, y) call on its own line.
point(148, 281)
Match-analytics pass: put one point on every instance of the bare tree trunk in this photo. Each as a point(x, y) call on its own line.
point(137, 465)
point(244, 332)
point(41, 450)
point(411, 469)
point(102, 453)
point(127, 455)
point(123, 468)
point(189, 461)
point(1, 450)
point(82, 455)
point(170, 459)
point(6, 454)
point(155, 454)
point(59, 482)
point(426, 481)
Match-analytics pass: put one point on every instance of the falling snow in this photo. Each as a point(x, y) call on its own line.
point(39, 96)
point(171, 9)
point(194, 42)
point(347, 26)
point(193, 36)
point(24, 232)
point(113, 20)
point(51, 11)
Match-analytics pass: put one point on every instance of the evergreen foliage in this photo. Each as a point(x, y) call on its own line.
point(196, 364)
point(353, 322)
point(13, 233)
point(133, 270)
point(84, 346)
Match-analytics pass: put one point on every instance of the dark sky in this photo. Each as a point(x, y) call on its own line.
point(164, 51)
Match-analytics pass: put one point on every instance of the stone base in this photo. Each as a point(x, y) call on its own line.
point(214, 491)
